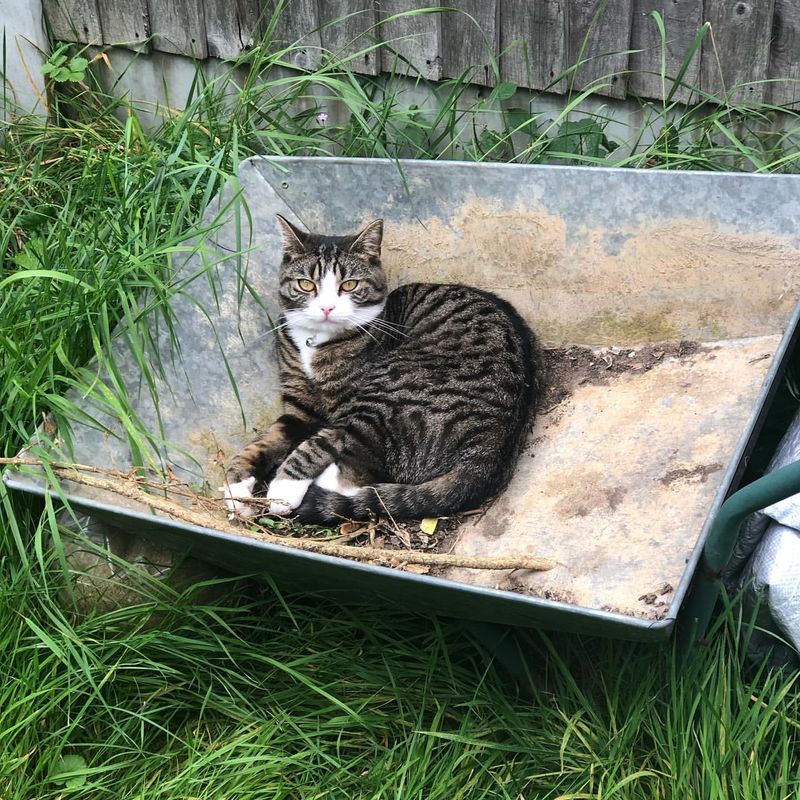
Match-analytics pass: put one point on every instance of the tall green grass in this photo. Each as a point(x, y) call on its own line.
point(255, 694)
point(258, 695)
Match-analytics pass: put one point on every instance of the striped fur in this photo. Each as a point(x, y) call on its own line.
point(421, 397)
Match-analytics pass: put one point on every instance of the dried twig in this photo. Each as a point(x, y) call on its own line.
point(130, 486)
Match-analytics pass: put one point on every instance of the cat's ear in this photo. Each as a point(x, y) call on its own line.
point(368, 241)
point(294, 240)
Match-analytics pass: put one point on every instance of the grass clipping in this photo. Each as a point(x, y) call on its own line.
point(155, 495)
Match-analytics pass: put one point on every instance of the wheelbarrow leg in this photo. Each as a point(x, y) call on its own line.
point(499, 641)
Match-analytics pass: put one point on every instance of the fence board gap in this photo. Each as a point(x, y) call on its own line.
point(349, 27)
point(178, 26)
point(74, 20)
point(682, 21)
point(784, 59)
point(736, 51)
point(600, 31)
point(229, 26)
point(413, 41)
point(533, 39)
point(471, 38)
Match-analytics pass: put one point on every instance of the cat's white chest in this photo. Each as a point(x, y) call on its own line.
point(306, 356)
point(307, 342)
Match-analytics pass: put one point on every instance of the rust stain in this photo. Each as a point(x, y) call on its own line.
point(582, 492)
point(697, 474)
point(666, 280)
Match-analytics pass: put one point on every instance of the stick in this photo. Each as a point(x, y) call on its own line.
point(129, 486)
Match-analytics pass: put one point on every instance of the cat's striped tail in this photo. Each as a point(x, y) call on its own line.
point(454, 491)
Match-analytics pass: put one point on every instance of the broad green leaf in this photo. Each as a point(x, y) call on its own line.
point(503, 91)
point(65, 772)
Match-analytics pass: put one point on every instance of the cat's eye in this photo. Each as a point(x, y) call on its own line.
point(306, 285)
point(348, 286)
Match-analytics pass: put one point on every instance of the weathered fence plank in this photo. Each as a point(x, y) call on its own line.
point(348, 27)
point(533, 40)
point(178, 26)
point(74, 20)
point(784, 61)
point(253, 17)
point(125, 24)
point(600, 30)
point(229, 26)
point(413, 42)
point(296, 28)
point(750, 40)
point(682, 20)
point(736, 53)
point(471, 38)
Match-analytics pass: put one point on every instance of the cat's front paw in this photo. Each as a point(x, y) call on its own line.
point(285, 495)
point(239, 470)
point(235, 492)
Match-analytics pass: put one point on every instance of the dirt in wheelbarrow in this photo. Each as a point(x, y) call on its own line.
point(567, 368)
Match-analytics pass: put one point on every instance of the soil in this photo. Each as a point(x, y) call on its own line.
point(576, 366)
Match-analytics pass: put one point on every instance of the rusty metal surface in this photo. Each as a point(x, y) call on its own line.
point(589, 256)
point(619, 480)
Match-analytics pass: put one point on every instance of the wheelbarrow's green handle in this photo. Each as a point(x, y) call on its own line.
point(769, 489)
point(720, 542)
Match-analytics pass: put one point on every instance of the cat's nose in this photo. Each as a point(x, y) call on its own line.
point(326, 310)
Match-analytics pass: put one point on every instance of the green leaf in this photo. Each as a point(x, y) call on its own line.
point(581, 137)
point(68, 771)
point(53, 275)
point(491, 143)
point(503, 91)
point(520, 120)
point(32, 255)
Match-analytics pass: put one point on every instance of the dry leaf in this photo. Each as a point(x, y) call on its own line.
point(403, 536)
point(417, 569)
point(428, 525)
point(347, 528)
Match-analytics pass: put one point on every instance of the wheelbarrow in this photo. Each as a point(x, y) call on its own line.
point(665, 302)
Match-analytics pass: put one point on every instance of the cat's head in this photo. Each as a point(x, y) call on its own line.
point(331, 283)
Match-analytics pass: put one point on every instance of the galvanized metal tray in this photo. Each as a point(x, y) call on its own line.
point(623, 476)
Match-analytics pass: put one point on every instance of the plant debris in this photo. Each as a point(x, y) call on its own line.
point(209, 512)
point(567, 368)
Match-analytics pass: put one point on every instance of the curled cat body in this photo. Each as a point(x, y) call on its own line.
point(409, 404)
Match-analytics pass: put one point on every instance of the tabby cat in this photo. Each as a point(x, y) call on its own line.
point(412, 403)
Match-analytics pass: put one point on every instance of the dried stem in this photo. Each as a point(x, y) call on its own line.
point(129, 485)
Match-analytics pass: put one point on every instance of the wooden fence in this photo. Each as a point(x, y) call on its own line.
point(751, 53)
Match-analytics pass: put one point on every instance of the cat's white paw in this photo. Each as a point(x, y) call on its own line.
point(285, 495)
point(234, 493)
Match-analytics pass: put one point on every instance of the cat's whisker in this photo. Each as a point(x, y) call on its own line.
point(268, 333)
point(363, 329)
point(383, 321)
point(388, 328)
